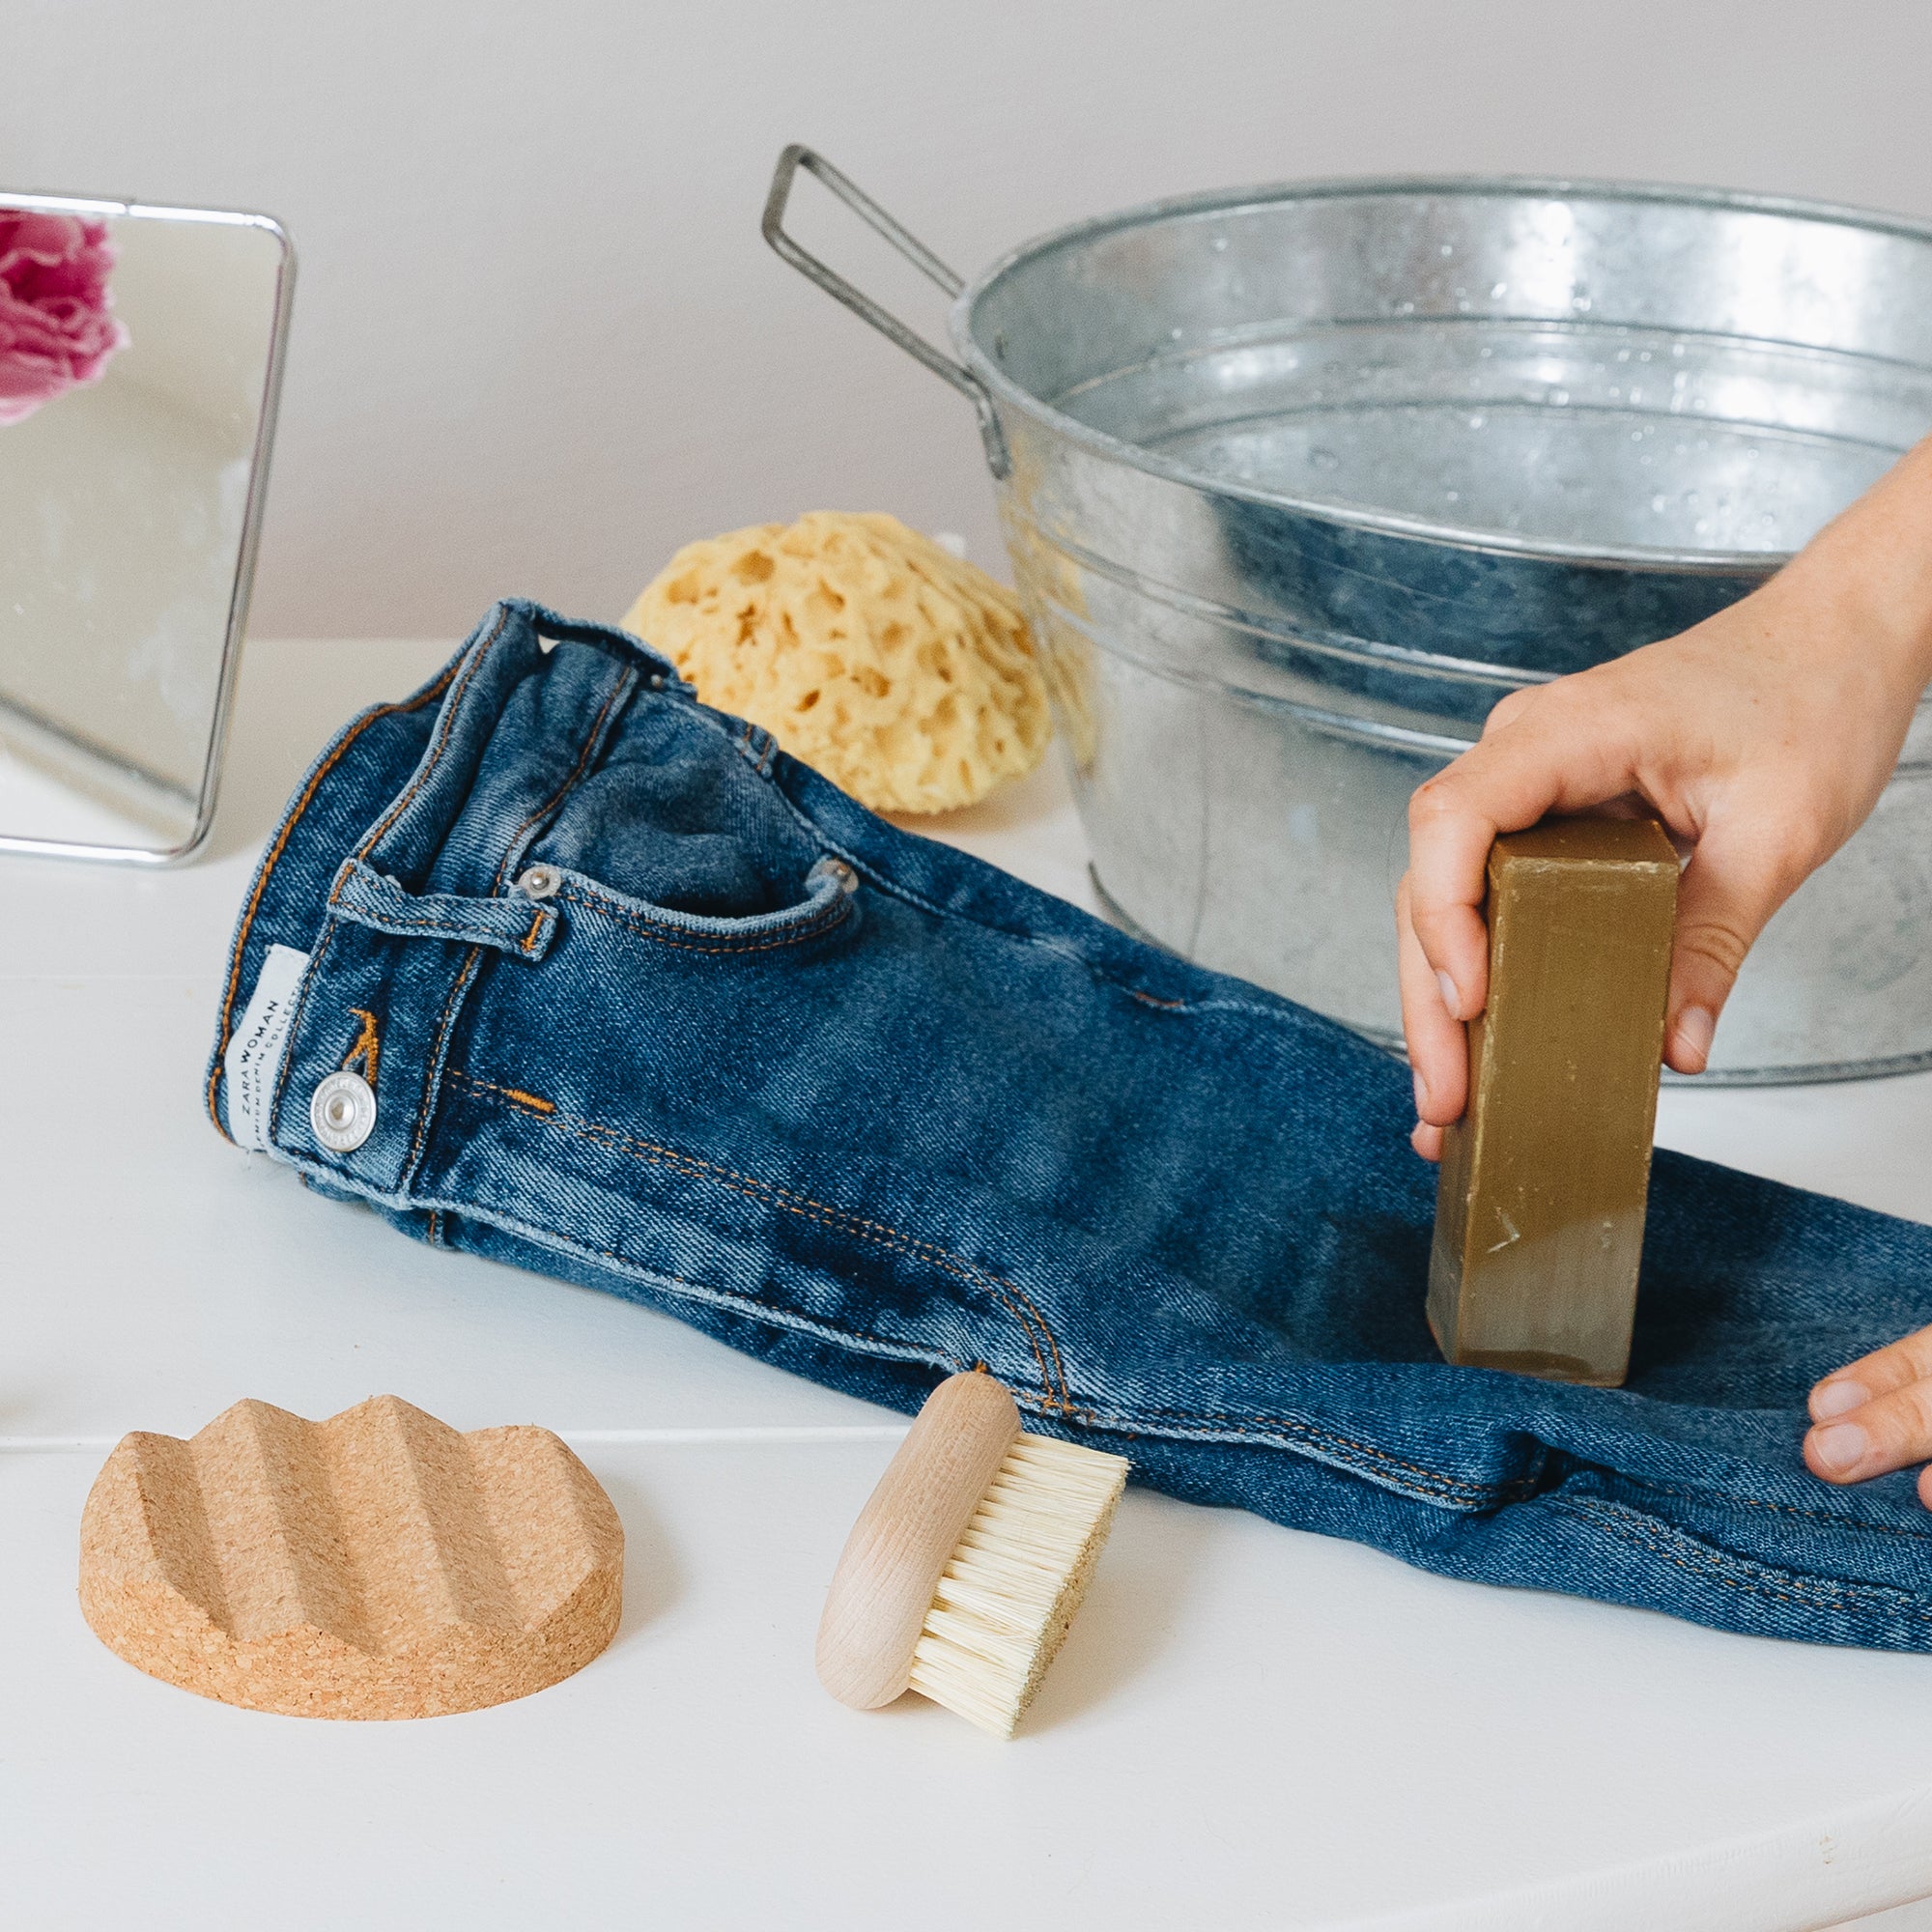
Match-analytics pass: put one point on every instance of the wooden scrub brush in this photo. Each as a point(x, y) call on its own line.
point(966, 1567)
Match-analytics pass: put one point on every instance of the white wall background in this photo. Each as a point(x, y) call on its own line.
point(538, 342)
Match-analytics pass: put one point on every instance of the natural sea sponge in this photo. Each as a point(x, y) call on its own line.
point(903, 673)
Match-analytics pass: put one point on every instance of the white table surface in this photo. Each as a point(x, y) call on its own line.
point(1248, 1726)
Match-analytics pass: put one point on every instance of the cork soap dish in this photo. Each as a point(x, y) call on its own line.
point(376, 1565)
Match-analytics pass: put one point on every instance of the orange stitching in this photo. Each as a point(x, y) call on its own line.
point(400, 925)
point(839, 1218)
point(1049, 1404)
point(408, 795)
point(368, 1047)
point(758, 1311)
point(1299, 1426)
point(470, 964)
point(805, 1208)
point(883, 1233)
point(268, 864)
point(622, 687)
point(470, 663)
point(468, 970)
point(1726, 1566)
point(887, 1236)
point(956, 1265)
point(426, 768)
point(647, 928)
point(462, 979)
point(1784, 1509)
point(835, 1218)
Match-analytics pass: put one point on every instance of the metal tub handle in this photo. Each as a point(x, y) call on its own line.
point(908, 244)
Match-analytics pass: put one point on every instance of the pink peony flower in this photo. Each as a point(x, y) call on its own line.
point(56, 323)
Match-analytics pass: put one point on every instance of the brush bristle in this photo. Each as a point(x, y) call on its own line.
point(1011, 1588)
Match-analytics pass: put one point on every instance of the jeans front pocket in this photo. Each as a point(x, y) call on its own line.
point(829, 903)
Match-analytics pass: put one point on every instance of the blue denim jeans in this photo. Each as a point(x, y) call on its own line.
point(875, 1135)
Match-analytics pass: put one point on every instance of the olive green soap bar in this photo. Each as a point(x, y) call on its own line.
point(1538, 1213)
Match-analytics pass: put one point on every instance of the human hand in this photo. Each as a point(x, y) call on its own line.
point(1875, 1414)
point(1761, 737)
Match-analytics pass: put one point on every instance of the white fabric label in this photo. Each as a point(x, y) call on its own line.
point(254, 1055)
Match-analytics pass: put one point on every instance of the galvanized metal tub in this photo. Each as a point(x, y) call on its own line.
point(1298, 482)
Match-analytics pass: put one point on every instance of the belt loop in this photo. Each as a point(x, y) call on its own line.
point(515, 925)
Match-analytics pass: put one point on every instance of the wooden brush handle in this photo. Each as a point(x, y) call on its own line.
point(905, 1534)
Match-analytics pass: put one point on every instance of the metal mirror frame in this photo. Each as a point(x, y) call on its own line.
point(252, 519)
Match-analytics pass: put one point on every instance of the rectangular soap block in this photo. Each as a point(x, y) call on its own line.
point(1539, 1208)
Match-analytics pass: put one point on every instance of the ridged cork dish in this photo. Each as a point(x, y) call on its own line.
point(376, 1565)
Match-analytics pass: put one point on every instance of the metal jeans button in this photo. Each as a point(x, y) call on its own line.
point(342, 1111)
point(539, 882)
point(836, 870)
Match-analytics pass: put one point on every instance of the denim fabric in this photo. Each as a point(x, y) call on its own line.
point(945, 1120)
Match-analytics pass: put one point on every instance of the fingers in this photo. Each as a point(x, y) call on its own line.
point(1878, 1373)
point(1874, 1415)
point(1887, 1433)
point(1449, 837)
point(1439, 1052)
point(1545, 750)
point(1540, 749)
point(1744, 867)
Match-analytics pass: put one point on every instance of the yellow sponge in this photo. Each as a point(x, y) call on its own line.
point(901, 672)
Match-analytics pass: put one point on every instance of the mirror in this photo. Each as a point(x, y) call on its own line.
point(140, 356)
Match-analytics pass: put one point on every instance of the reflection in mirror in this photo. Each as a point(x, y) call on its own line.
point(140, 353)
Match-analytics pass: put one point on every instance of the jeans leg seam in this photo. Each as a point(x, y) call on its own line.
point(1411, 1476)
point(1738, 1571)
point(1721, 1501)
point(739, 1304)
point(1514, 1489)
point(1048, 1359)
